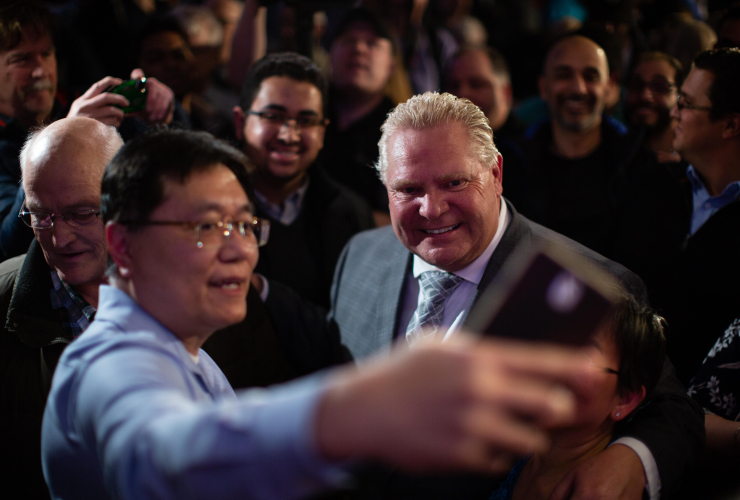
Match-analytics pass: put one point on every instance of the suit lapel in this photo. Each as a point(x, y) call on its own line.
point(517, 231)
point(391, 295)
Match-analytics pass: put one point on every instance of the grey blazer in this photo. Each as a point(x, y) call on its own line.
point(367, 301)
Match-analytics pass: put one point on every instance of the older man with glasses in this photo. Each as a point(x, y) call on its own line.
point(138, 410)
point(48, 296)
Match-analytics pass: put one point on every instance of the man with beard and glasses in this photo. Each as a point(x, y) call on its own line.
point(652, 92)
point(573, 160)
point(28, 98)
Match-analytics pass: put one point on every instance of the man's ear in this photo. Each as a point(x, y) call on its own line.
point(627, 403)
point(118, 239)
point(240, 119)
point(498, 172)
point(732, 127)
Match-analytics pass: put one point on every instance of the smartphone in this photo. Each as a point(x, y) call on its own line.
point(545, 293)
point(134, 91)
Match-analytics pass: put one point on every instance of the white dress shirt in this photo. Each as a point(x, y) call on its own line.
point(457, 306)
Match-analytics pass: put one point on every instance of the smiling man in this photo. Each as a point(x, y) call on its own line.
point(281, 123)
point(451, 233)
point(574, 160)
point(137, 410)
point(28, 98)
point(49, 295)
point(652, 91)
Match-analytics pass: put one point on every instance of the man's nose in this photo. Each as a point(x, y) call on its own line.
point(675, 113)
point(433, 206)
point(62, 234)
point(39, 70)
point(289, 131)
point(578, 84)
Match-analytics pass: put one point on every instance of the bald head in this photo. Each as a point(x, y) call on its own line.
point(574, 83)
point(71, 137)
point(62, 168)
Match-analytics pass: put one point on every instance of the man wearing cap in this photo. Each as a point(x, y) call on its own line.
point(362, 63)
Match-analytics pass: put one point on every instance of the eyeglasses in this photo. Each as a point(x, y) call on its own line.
point(75, 218)
point(657, 86)
point(209, 234)
point(279, 119)
point(681, 104)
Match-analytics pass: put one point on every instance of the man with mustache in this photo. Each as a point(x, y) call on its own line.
point(281, 122)
point(574, 160)
point(28, 98)
point(652, 91)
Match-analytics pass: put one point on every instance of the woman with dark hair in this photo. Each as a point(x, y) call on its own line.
point(626, 380)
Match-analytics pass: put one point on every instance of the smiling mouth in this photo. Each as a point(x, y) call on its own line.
point(227, 284)
point(441, 230)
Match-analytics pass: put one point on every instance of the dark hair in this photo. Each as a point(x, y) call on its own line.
point(133, 182)
point(639, 335)
point(724, 65)
point(366, 16)
point(731, 14)
point(161, 24)
point(24, 16)
point(290, 64)
point(662, 56)
point(498, 62)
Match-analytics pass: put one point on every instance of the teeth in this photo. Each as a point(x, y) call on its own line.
point(230, 286)
point(443, 230)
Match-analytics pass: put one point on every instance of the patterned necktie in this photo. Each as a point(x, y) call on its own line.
point(436, 286)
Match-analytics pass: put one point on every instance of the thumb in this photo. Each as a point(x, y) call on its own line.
point(137, 73)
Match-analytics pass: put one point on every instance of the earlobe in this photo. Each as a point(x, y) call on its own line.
point(117, 238)
point(239, 120)
point(627, 403)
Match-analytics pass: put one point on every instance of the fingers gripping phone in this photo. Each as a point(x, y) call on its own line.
point(545, 293)
point(134, 91)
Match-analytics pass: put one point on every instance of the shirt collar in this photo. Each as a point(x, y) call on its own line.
point(290, 209)
point(699, 190)
point(474, 271)
point(117, 307)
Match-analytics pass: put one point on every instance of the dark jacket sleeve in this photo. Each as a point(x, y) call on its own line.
point(671, 425)
point(15, 236)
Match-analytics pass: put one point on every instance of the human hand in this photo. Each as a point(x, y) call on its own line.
point(464, 404)
point(160, 101)
point(100, 105)
point(615, 473)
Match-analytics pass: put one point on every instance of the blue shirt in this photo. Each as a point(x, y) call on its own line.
point(705, 205)
point(131, 414)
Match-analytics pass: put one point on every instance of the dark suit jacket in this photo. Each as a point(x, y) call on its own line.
point(367, 300)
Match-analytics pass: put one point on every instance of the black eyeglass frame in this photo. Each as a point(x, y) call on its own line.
point(633, 83)
point(680, 104)
point(280, 119)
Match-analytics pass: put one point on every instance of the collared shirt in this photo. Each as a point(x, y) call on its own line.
point(290, 209)
point(458, 303)
point(131, 415)
point(706, 205)
point(74, 311)
point(457, 306)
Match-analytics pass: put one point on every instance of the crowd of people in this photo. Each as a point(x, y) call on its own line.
point(311, 198)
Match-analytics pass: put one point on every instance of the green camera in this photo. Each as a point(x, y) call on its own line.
point(134, 91)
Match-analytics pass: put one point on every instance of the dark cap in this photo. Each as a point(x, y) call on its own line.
point(362, 15)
